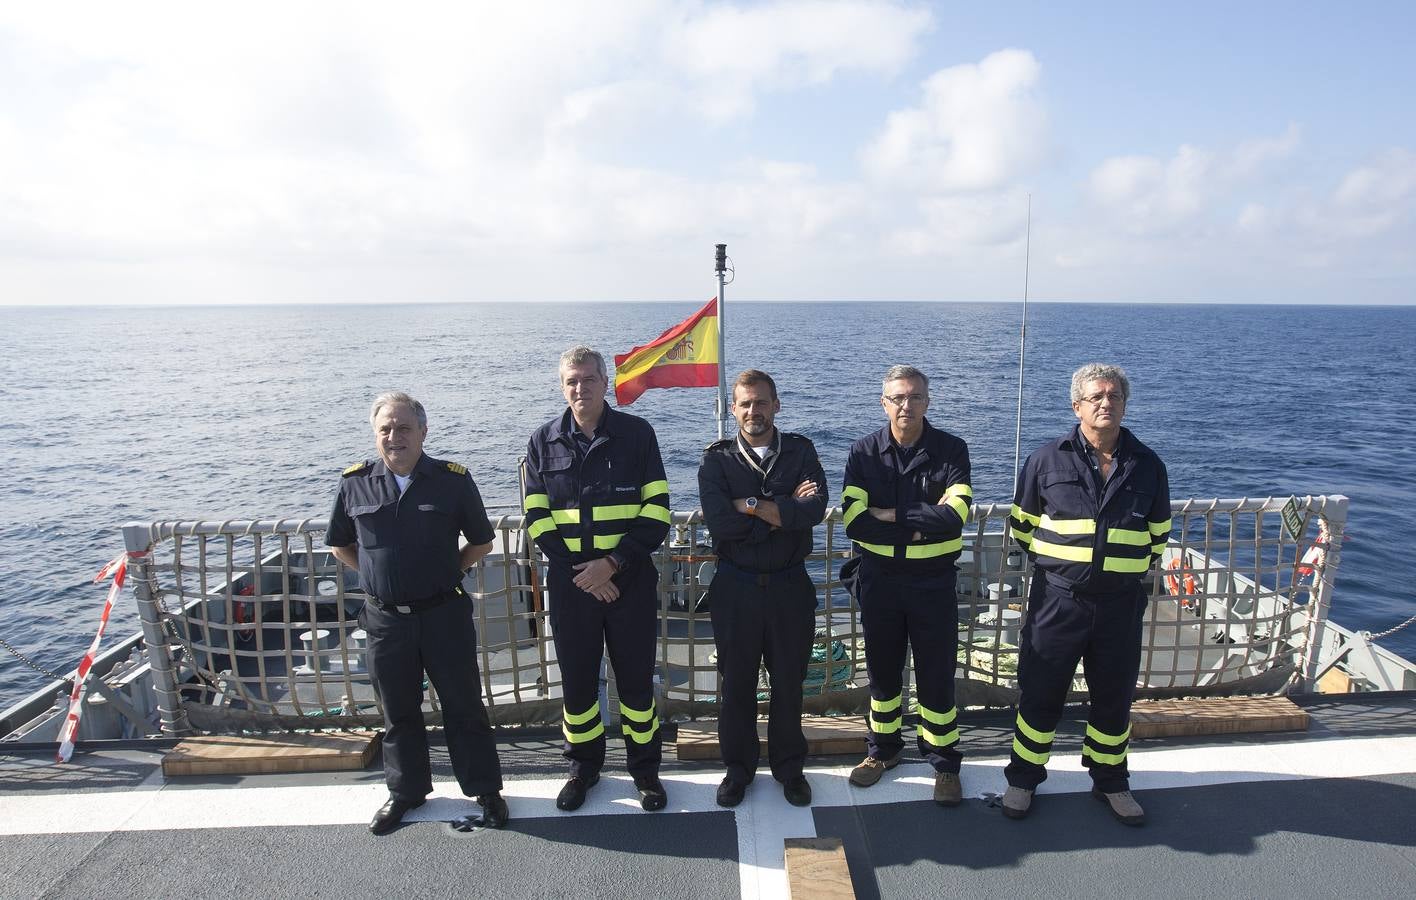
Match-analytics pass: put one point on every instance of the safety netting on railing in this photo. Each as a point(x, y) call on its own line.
point(256, 623)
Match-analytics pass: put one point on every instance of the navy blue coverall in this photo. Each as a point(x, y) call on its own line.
point(1092, 541)
point(905, 585)
point(609, 498)
point(418, 618)
point(762, 600)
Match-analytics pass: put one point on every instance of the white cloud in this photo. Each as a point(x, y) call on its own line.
point(977, 127)
point(733, 52)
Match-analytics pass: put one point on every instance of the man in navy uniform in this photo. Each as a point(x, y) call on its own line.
point(762, 493)
point(1092, 508)
point(397, 521)
point(597, 504)
point(905, 502)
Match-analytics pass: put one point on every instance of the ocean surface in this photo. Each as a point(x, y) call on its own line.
point(119, 414)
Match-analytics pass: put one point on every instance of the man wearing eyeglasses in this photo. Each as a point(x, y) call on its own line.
point(1092, 509)
point(905, 502)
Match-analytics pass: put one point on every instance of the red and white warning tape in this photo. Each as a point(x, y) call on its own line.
point(118, 568)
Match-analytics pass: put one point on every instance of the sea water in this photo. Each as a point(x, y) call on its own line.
point(119, 414)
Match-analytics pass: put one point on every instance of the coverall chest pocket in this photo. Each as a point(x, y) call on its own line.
point(1137, 495)
point(558, 475)
point(1065, 495)
point(375, 523)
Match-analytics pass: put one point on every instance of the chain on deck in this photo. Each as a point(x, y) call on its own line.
point(255, 623)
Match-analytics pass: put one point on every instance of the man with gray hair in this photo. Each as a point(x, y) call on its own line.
point(1092, 509)
point(397, 521)
point(597, 504)
point(905, 502)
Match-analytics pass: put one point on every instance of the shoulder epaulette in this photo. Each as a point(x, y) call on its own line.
point(719, 444)
point(357, 467)
point(456, 468)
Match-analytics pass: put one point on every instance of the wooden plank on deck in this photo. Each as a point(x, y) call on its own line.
point(825, 736)
point(1216, 715)
point(816, 869)
point(270, 753)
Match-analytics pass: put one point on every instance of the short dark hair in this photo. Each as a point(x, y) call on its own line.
point(749, 377)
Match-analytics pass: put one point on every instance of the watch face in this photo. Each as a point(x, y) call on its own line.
point(751, 502)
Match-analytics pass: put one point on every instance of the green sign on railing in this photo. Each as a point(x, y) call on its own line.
point(1293, 523)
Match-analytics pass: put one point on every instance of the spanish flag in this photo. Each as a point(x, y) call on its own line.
point(684, 356)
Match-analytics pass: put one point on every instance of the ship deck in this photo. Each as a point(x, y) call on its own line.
point(1322, 812)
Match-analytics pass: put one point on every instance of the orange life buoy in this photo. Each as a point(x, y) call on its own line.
point(1175, 579)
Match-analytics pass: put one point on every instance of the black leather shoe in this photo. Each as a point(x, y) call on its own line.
point(572, 796)
point(494, 815)
point(652, 795)
point(494, 810)
point(730, 792)
point(391, 814)
point(797, 791)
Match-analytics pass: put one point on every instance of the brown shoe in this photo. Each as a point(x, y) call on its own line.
point(871, 770)
point(1123, 806)
point(947, 789)
point(1017, 802)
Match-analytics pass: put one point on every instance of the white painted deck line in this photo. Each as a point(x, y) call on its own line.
point(157, 806)
point(763, 821)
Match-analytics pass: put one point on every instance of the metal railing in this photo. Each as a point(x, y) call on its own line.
point(253, 625)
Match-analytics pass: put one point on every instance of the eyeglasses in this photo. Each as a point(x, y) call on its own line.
point(899, 400)
point(1095, 399)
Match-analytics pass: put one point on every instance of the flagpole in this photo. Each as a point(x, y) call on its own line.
point(722, 266)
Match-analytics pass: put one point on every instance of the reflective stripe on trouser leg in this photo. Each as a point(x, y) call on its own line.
point(577, 627)
point(640, 726)
point(1043, 681)
point(582, 726)
point(1031, 744)
point(938, 730)
point(1106, 749)
point(630, 631)
point(932, 620)
point(1112, 662)
point(883, 623)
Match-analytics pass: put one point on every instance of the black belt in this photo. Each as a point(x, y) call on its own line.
point(761, 579)
point(417, 606)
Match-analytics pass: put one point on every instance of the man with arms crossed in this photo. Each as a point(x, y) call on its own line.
point(762, 493)
point(905, 503)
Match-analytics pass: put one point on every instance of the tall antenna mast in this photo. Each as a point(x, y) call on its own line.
point(1022, 350)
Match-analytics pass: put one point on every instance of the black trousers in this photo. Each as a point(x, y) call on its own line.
point(769, 620)
point(583, 629)
point(920, 613)
point(441, 641)
point(1103, 631)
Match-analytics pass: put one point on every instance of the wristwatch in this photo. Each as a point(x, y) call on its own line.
point(751, 506)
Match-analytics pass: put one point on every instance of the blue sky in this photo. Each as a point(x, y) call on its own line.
point(351, 152)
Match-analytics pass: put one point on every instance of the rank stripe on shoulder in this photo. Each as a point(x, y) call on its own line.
point(358, 466)
point(456, 468)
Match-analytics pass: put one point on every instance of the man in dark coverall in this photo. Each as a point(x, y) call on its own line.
point(597, 504)
point(905, 503)
point(762, 493)
point(1092, 508)
point(397, 521)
